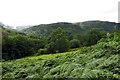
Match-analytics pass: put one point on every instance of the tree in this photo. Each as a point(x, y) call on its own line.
point(18, 46)
point(94, 35)
point(75, 43)
point(58, 41)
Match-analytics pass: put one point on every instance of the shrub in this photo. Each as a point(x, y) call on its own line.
point(9, 75)
point(49, 62)
point(17, 46)
point(41, 52)
point(74, 43)
point(22, 74)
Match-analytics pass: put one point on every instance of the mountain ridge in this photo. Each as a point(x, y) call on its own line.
point(71, 28)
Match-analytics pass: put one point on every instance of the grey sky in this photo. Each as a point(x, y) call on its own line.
point(31, 12)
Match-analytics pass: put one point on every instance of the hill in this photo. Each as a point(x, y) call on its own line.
point(19, 28)
point(72, 28)
point(99, 61)
point(9, 32)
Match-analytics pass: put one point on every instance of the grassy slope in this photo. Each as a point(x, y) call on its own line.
point(98, 61)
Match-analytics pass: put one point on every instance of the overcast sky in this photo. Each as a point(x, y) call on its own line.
point(31, 12)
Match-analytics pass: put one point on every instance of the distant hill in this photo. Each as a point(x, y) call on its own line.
point(1, 24)
point(8, 32)
point(5, 26)
point(107, 26)
point(19, 28)
point(71, 28)
point(46, 29)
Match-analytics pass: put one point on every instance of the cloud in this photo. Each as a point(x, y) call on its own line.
point(31, 12)
point(111, 11)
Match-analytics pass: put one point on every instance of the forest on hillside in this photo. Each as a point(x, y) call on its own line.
point(62, 50)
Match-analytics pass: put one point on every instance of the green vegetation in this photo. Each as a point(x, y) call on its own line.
point(94, 35)
point(75, 43)
point(58, 42)
point(14, 49)
point(41, 52)
point(71, 28)
point(62, 50)
point(97, 61)
point(78, 30)
point(16, 45)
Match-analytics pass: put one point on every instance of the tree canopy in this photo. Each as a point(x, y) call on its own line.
point(58, 41)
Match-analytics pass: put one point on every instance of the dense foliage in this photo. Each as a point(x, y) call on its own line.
point(75, 43)
point(58, 42)
point(94, 35)
point(100, 61)
point(80, 30)
point(61, 39)
point(96, 53)
point(16, 45)
point(12, 48)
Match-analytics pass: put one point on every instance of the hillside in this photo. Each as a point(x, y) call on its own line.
point(71, 28)
point(6, 32)
point(105, 25)
point(19, 28)
point(46, 29)
point(97, 61)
